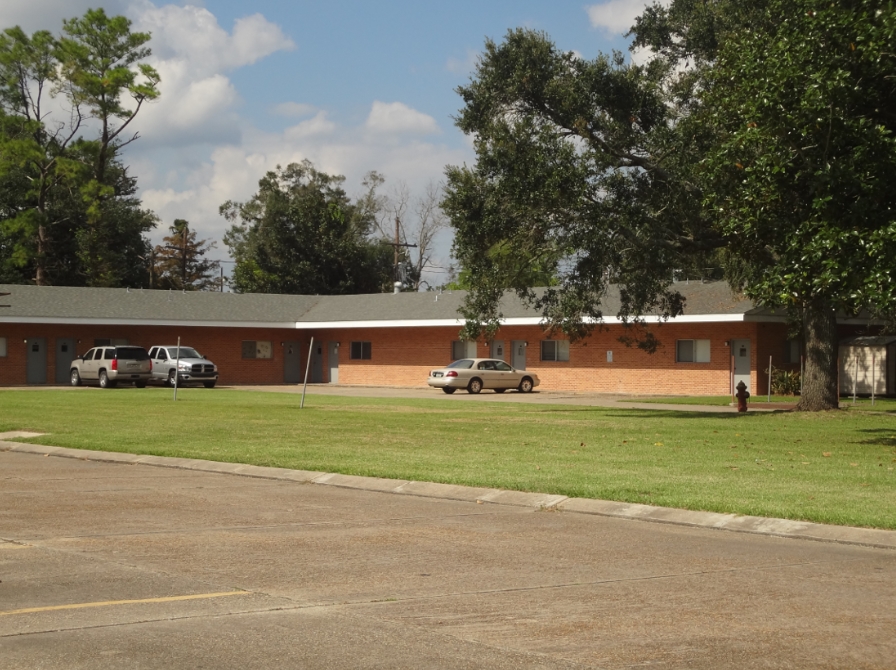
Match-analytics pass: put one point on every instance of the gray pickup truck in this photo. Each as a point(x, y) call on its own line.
point(192, 367)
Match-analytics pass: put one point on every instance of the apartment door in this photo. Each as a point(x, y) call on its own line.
point(498, 350)
point(292, 363)
point(333, 361)
point(65, 354)
point(518, 354)
point(317, 364)
point(740, 349)
point(36, 360)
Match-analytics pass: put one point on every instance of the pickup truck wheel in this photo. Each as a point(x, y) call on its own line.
point(171, 381)
point(75, 378)
point(209, 385)
point(140, 385)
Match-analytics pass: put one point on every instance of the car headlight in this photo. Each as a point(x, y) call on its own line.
point(183, 367)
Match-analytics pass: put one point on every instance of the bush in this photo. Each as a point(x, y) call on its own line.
point(785, 382)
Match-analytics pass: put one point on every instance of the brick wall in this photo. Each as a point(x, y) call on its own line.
point(404, 356)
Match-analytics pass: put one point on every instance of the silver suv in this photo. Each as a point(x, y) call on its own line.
point(111, 365)
point(192, 368)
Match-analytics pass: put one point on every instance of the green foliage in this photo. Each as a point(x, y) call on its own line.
point(68, 214)
point(301, 234)
point(801, 177)
point(759, 139)
point(785, 382)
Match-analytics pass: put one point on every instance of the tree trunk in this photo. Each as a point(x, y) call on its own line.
point(820, 388)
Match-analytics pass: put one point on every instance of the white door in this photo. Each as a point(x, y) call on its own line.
point(498, 350)
point(740, 349)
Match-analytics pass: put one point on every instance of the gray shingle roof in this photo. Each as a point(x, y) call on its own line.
point(60, 302)
point(69, 302)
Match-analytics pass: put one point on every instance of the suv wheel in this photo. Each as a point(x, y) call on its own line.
point(105, 382)
point(76, 378)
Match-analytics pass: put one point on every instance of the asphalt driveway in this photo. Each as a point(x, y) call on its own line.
point(109, 565)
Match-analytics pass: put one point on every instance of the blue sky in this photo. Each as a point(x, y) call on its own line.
point(352, 86)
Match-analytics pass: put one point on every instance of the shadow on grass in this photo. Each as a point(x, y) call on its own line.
point(882, 437)
point(655, 414)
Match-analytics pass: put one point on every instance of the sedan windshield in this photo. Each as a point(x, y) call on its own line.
point(462, 364)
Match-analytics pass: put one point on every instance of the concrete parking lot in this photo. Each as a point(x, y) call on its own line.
point(106, 565)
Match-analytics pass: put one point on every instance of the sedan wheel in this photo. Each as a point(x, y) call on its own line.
point(448, 390)
point(475, 386)
point(526, 385)
point(76, 378)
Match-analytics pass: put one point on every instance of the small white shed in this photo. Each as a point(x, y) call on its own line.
point(868, 362)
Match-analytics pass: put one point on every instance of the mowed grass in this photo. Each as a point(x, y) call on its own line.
point(846, 402)
point(835, 467)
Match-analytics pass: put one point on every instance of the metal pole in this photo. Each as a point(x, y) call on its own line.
point(307, 368)
point(176, 368)
point(731, 375)
point(769, 378)
point(855, 380)
point(873, 370)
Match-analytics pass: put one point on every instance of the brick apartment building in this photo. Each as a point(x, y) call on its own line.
point(389, 339)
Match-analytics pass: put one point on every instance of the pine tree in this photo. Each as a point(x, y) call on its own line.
point(180, 263)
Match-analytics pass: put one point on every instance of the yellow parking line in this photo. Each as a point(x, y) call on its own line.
point(106, 603)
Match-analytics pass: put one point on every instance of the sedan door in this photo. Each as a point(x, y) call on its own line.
point(490, 377)
point(508, 378)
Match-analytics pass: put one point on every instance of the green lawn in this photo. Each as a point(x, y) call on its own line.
point(835, 467)
point(864, 404)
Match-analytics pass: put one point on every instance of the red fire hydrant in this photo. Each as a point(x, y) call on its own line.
point(742, 395)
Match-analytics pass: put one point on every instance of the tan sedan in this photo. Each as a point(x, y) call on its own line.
point(475, 374)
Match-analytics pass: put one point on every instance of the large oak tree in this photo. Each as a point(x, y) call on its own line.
point(759, 139)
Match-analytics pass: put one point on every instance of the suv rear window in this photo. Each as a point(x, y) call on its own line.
point(132, 354)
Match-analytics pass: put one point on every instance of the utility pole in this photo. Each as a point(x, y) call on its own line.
point(183, 260)
point(396, 244)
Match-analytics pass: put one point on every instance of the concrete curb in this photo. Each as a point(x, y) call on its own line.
point(785, 528)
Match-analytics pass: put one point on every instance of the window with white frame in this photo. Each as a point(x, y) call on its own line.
point(463, 349)
point(2, 347)
point(555, 350)
point(692, 351)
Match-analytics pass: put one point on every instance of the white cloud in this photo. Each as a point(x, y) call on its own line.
point(618, 16)
point(192, 34)
point(396, 118)
point(318, 126)
point(193, 55)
